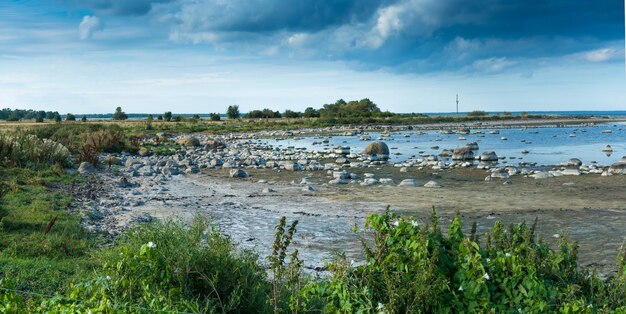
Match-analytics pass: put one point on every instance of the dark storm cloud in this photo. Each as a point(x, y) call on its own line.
point(406, 35)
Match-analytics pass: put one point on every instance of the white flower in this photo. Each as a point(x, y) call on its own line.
point(519, 310)
point(396, 223)
point(152, 245)
point(460, 288)
point(380, 306)
point(488, 260)
point(486, 276)
point(351, 263)
point(507, 254)
point(414, 223)
point(108, 277)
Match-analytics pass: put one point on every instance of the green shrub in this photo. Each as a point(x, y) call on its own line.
point(27, 150)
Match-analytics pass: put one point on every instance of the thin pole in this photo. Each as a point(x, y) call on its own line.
point(457, 99)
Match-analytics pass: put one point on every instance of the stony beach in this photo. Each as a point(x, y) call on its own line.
point(246, 186)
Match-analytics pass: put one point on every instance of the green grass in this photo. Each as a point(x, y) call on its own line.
point(41, 262)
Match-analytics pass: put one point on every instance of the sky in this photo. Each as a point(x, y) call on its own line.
point(200, 56)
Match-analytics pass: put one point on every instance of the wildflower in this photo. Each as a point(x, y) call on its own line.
point(414, 223)
point(486, 276)
point(108, 277)
point(460, 288)
point(488, 260)
point(396, 223)
point(519, 310)
point(380, 306)
point(152, 245)
point(507, 254)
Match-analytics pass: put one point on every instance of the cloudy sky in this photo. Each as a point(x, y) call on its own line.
point(89, 56)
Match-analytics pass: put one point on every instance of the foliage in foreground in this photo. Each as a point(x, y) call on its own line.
point(416, 269)
point(408, 268)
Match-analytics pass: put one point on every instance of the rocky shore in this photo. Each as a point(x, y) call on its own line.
point(246, 186)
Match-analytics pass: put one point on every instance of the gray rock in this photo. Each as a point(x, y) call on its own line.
point(408, 182)
point(472, 145)
point(570, 172)
point(238, 173)
point(268, 190)
point(573, 162)
point(338, 181)
point(463, 153)
point(380, 150)
point(488, 156)
point(432, 184)
point(308, 188)
point(86, 167)
point(291, 166)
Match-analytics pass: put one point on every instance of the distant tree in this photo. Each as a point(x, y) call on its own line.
point(233, 112)
point(179, 118)
point(39, 117)
point(262, 114)
point(215, 117)
point(507, 114)
point(70, 117)
point(310, 112)
point(292, 114)
point(160, 117)
point(84, 118)
point(119, 114)
point(57, 118)
point(477, 113)
point(149, 122)
point(195, 117)
point(167, 116)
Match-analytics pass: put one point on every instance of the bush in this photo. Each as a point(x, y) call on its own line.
point(27, 150)
point(416, 269)
point(215, 117)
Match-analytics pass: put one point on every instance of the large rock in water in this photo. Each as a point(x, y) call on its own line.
point(463, 153)
point(618, 167)
point(573, 162)
point(378, 149)
point(188, 141)
point(488, 156)
point(472, 145)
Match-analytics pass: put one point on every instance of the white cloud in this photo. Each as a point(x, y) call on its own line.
point(492, 65)
point(602, 55)
point(88, 26)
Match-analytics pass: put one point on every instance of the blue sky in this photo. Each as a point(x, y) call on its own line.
point(89, 56)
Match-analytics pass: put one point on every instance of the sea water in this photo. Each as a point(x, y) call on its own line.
point(545, 145)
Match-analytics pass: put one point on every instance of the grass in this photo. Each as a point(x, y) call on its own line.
point(39, 261)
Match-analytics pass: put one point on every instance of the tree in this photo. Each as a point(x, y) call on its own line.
point(57, 118)
point(215, 117)
point(233, 112)
point(292, 114)
point(39, 117)
point(84, 118)
point(119, 114)
point(310, 112)
point(167, 116)
point(195, 117)
point(70, 117)
point(149, 122)
point(160, 117)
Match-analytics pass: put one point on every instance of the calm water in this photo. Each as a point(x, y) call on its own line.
point(545, 146)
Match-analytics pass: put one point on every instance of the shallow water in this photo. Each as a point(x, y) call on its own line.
point(545, 145)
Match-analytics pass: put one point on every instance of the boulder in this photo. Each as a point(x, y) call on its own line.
point(86, 167)
point(112, 160)
point(570, 172)
point(618, 167)
point(463, 153)
point(338, 181)
point(308, 188)
point(472, 145)
point(377, 149)
point(188, 141)
point(573, 162)
point(607, 149)
point(291, 166)
point(369, 182)
point(488, 156)
point(408, 182)
point(214, 145)
point(238, 173)
point(143, 152)
point(432, 184)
